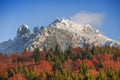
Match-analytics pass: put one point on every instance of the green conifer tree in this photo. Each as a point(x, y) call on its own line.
point(42, 77)
point(36, 55)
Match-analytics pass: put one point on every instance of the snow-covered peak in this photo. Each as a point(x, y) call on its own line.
point(68, 25)
point(88, 28)
point(25, 25)
point(23, 29)
point(62, 31)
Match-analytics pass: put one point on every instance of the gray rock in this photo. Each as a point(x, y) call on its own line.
point(22, 30)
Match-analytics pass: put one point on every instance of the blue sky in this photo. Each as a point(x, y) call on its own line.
point(13, 13)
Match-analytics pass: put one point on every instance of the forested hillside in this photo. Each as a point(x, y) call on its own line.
point(96, 63)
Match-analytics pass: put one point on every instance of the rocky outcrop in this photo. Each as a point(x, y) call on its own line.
point(36, 29)
point(22, 30)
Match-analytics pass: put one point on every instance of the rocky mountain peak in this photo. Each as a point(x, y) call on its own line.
point(64, 32)
point(23, 29)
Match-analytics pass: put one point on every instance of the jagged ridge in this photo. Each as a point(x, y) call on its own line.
point(62, 31)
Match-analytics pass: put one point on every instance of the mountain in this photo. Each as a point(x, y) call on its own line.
point(62, 31)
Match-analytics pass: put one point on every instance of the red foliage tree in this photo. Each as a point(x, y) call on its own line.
point(17, 77)
point(88, 63)
point(68, 65)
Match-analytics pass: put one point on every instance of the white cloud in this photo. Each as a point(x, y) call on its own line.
point(95, 19)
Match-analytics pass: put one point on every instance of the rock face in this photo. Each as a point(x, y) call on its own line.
point(62, 31)
point(23, 29)
point(36, 30)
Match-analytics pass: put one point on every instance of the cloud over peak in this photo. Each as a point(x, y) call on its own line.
point(92, 18)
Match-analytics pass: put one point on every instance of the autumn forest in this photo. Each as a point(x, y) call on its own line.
point(96, 63)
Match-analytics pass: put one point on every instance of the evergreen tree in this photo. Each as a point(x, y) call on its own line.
point(70, 54)
point(94, 50)
point(89, 77)
point(44, 49)
point(33, 74)
point(50, 55)
point(88, 53)
point(75, 76)
point(48, 76)
point(36, 55)
point(57, 75)
point(57, 50)
point(11, 73)
point(42, 77)
point(101, 65)
point(58, 64)
point(26, 72)
point(64, 75)
point(110, 74)
point(101, 76)
point(83, 69)
point(62, 56)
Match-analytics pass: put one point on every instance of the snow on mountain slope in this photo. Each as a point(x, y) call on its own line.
point(62, 31)
point(84, 33)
